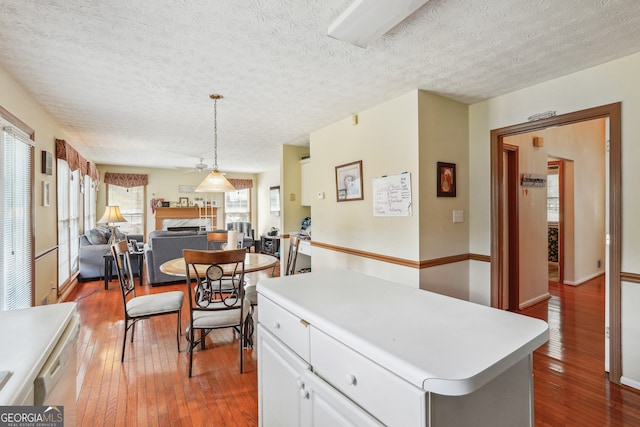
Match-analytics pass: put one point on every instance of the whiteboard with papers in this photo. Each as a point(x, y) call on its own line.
point(392, 195)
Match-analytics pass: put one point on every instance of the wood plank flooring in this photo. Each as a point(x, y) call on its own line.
point(152, 388)
point(571, 387)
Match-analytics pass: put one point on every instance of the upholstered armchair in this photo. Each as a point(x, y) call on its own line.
point(246, 229)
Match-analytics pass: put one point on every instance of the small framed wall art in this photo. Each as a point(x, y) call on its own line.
point(446, 179)
point(47, 163)
point(46, 194)
point(349, 182)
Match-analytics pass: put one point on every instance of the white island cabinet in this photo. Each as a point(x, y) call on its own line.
point(343, 348)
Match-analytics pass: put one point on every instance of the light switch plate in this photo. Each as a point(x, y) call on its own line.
point(458, 216)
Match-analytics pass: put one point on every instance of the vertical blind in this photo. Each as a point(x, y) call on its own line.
point(16, 268)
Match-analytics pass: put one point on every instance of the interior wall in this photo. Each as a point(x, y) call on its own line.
point(19, 103)
point(386, 140)
point(410, 133)
point(604, 84)
point(266, 220)
point(292, 211)
point(443, 137)
point(584, 144)
point(532, 226)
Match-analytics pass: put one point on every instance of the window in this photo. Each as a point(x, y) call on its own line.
point(68, 221)
point(16, 249)
point(89, 189)
point(131, 203)
point(237, 206)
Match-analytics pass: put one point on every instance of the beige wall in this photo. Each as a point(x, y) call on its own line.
point(267, 180)
point(407, 134)
point(292, 211)
point(604, 84)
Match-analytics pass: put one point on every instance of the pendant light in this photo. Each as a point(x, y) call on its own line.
point(215, 182)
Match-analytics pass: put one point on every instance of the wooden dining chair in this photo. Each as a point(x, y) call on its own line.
point(211, 306)
point(141, 307)
point(216, 240)
point(294, 243)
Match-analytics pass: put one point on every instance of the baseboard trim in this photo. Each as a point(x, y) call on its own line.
point(629, 382)
point(584, 279)
point(534, 301)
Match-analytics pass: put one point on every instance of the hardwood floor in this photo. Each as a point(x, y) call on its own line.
point(152, 388)
point(571, 387)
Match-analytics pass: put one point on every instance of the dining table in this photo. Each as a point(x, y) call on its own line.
point(252, 262)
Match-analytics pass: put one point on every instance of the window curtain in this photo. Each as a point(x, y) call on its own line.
point(126, 180)
point(241, 184)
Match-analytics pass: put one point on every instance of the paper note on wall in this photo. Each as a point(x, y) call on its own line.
point(392, 195)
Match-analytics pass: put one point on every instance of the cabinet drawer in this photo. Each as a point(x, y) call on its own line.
point(383, 394)
point(290, 329)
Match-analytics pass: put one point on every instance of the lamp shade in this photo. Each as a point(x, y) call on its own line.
point(111, 214)
point(215, 182)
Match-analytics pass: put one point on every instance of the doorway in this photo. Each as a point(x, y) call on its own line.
point(555, 237)
point(499, 216)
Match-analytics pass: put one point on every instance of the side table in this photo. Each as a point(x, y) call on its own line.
point(108, 266)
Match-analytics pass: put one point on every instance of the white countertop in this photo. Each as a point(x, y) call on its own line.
point(438, 343)
point(28, 336)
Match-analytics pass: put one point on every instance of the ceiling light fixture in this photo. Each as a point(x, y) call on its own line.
point(366, 20)
point(215, 182)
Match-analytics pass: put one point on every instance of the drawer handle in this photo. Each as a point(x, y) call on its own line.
point(276, 325)
point(351, 379)
point(300, 384)
point(304, 394)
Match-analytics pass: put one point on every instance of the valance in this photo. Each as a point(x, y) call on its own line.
point(64, 151)
point(241, 184)
point(93, 172)
point(127, 180)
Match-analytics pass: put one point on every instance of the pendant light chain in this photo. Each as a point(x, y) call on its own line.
point(215, 134)
point(215, 182)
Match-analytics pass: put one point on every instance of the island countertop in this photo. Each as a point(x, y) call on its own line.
point(438, 343)
point(28, 335)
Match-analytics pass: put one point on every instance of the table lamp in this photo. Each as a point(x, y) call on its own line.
point(112, 214)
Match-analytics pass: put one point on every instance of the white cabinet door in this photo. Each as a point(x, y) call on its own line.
point(305, 183)
point(330, 408)
point(280, 383)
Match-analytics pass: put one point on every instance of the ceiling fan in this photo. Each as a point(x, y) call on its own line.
point(200, 167)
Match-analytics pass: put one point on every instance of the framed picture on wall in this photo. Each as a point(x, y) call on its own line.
point(349, 182)
point(46, 193)
point(446, 179)
point(47, 163)
point(184, 202)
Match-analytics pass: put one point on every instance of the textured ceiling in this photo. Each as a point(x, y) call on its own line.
point(134, 77)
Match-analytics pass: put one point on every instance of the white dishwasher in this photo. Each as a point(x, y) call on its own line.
point(55, 384)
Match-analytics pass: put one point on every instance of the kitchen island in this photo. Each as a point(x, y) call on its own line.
point(31, 340)
point(355, 349)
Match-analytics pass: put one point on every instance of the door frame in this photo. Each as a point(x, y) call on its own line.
point(513, 224)
point(559, 164)
point(613, 113)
